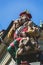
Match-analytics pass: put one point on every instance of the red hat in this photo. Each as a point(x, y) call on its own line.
point(26, 13)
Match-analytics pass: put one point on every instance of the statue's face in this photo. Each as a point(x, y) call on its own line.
point(23, 17)
point(17, 25)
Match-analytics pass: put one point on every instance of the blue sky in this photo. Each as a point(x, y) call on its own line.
point(10, 10)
